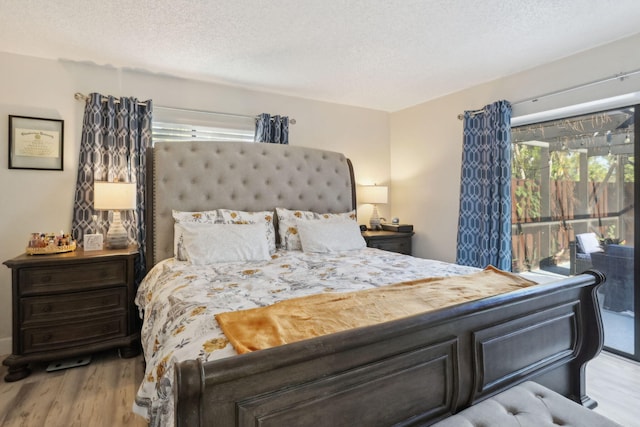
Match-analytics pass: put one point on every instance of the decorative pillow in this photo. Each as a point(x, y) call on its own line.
point(288, 224)
point(330, 236)
point(228, 216)
point(214, 243)
point(182, 217)
point(203, 217)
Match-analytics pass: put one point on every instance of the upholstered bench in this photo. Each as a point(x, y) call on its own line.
point(527, 405)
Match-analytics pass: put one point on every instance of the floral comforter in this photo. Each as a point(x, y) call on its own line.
point(179, 300)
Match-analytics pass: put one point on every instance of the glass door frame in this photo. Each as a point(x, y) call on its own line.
point(635, 334)
point(636, 241)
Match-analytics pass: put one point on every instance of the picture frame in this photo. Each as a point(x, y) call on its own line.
point(36, 143)
point(93, 242)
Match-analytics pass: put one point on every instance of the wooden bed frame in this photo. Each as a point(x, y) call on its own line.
point(412, 371)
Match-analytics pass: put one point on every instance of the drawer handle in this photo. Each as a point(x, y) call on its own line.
point(46, 308)
point(46, 279)
point(47, 337)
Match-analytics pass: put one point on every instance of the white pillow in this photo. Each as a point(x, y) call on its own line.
point(330, 236)
point(288, 224)
point(229, 216)
point(201, 217)
point(213, 243)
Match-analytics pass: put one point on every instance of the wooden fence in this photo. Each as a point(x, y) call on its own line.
point(543, 229)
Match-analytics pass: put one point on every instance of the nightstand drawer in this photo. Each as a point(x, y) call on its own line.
point(65, 335)
point(61, 278)
point(400, 245)
point(72, 306)
point(392, 241)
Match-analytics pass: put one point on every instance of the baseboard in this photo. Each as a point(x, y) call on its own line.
point(5, 346)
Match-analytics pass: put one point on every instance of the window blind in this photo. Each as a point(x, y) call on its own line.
point(175, 124)
point(167, 131)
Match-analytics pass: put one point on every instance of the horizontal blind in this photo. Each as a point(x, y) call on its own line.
point(175, 124)
point(165, 131)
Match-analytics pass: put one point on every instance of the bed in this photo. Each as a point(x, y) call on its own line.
point(413, 370)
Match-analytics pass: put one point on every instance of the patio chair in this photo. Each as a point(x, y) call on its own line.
point(616, 263)
point(581, 250)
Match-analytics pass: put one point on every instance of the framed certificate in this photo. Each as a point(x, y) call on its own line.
point(35, 143)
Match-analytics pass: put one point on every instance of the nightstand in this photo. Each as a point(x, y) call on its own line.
point(389, 241)
point(71, 304)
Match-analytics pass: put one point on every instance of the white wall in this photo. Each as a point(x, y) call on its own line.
point(43, 200)
point(426, 140)
point(416, 150)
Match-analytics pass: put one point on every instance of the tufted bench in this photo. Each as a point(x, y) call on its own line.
point(527, 405)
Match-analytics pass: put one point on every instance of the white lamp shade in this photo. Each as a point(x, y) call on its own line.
point(373, 194)
point(117, 196)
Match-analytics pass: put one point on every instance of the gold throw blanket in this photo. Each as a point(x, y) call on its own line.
point(314, 315)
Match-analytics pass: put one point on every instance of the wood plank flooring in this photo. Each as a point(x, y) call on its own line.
point(101, 393)
point(614, 382)
point(98, 394)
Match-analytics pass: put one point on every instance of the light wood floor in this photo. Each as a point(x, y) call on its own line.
point(98, 394)
point(101, 393)
point(614, 382)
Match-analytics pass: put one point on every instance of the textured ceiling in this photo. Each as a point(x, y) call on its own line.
point(380, 54)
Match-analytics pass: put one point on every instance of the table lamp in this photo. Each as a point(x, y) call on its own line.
point(116, 197)
point(373, 194)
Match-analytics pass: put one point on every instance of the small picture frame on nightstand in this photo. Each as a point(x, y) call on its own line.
point(93, 242)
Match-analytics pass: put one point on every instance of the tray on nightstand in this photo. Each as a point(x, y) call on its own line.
point(52, 249)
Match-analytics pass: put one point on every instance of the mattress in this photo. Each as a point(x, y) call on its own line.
point(179, 301)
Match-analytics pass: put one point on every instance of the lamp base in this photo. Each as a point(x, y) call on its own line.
point(117, 237)
point(374, 221)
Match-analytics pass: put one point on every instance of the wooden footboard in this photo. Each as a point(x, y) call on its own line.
point(412, 371)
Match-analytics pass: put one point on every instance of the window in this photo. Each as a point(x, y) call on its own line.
point(571, 176)
point(172, 124)
point(573, 197)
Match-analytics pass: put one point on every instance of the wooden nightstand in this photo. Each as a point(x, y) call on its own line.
point(389, 241)
point(72, 304)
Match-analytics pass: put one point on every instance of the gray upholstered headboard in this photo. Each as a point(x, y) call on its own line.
point(195, 176)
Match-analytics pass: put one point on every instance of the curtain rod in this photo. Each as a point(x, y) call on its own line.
point(82, 97)
point(471, 113)
point(619, 76)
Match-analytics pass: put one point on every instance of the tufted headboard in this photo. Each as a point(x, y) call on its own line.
point(196, 176)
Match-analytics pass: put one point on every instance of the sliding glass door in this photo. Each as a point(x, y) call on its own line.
point(575, 188)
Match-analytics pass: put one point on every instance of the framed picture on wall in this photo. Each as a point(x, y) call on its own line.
point(35, 143)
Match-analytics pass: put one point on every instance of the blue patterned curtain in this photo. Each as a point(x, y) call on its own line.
point(484, 225)
point(272, 129)
point(115, 137)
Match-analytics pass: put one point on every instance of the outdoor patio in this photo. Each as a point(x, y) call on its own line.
point(618, 326)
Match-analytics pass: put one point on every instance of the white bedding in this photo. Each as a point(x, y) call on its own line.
point(179, 301)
